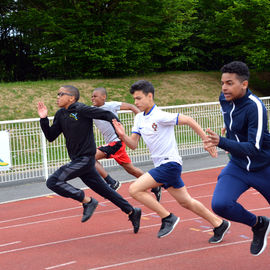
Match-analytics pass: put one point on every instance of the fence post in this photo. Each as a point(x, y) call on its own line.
point(44, 155)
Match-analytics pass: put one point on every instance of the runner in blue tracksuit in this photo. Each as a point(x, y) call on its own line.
point(248, 143)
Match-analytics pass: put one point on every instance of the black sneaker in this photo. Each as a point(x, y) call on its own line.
point(116, 185)
point(135, 218)
point(88, 209)
point(260, 232)
point(157, 192)
point(167, 225)
point(219, 232)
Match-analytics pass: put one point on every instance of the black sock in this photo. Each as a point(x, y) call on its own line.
point(168, 216)
point(109, 179)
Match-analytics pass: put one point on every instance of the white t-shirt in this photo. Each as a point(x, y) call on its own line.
point(105, 127)
point(157, 131)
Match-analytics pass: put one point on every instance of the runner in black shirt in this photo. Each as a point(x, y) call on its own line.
point(75, 121)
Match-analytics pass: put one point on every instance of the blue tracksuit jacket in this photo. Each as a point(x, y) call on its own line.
point(247, 138)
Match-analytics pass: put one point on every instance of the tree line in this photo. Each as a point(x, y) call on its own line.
point(66, 39)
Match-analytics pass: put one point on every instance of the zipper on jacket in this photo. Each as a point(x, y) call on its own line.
point(231, 120)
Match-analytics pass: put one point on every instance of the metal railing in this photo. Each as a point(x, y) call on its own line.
point(33, 157)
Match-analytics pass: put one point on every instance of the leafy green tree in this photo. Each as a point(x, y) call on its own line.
point(102, 38)
point(235, 30)
point(90, 38)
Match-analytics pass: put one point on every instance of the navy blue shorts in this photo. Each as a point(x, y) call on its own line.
point(168, 174)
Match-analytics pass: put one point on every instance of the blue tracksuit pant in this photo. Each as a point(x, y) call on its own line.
point(232, 182)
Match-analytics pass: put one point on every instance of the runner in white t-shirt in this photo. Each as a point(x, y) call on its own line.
point(156, 127)
point(114, 147)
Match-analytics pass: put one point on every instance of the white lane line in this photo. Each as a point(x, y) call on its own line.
point(41, 214)
point(53, 212)
point(74, 216)
point(107, 211)
point(104, 202)
point(37, 222)
point(11, 243)
point(169, 255)
point(86, 237)
point(54, 219)
point(77, 207)
point(126, 181)
point(95, 235)
point(60, 265)
point(67, 240)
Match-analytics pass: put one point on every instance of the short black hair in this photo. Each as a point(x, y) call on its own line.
point(72, 90)
point(102, 90)
point(144, 86)
point(237, 67)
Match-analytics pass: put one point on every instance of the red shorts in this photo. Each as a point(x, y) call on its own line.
point(117, 151)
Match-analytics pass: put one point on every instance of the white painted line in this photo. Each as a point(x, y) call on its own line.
point(37, 222)
point(102, 212)
point(91, 236)
point(67, 240)
point(60, 265)
point(41, 214)
point(11, 243)
point(126, 181)
point(54, 219)
point(169, 255)
point(86, 237)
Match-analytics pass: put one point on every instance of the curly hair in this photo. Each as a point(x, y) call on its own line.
point(237, 67)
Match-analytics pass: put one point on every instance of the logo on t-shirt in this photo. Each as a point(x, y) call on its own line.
point(74, 115)
point(154, 126)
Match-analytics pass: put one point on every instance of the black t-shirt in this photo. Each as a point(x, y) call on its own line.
point(76, 123)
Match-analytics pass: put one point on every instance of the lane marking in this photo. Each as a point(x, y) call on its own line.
point(60, 265)
point(98, 212)
point(11, 243)
point(90, 236)
point(169, 255)
point(37, 222)
point(41, 214)
point(86, 237)
point(126, 181)
point(101, 203)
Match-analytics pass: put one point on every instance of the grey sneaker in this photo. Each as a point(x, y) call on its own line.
point(116, 185)
point(157, 192)
point(167, 225)
point(219, 232)
point(259, 241)
point(88, 209)
point(135, 218)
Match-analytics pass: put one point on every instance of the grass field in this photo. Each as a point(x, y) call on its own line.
point(18, 100)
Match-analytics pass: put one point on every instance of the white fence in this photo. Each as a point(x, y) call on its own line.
point(32, 157)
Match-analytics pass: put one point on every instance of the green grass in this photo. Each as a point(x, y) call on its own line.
point(18, 100)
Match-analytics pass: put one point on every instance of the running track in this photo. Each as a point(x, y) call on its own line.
point(46, 233)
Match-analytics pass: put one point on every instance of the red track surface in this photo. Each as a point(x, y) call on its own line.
point(46, 233)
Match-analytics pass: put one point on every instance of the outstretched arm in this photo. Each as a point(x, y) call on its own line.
point(187, 120)
point(131, 141)
point(51, 133)
point(128, 106)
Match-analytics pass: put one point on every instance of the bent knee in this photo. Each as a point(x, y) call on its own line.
point(132, 190)
point(186, 203)
point(221, 207)
point(50, 183)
